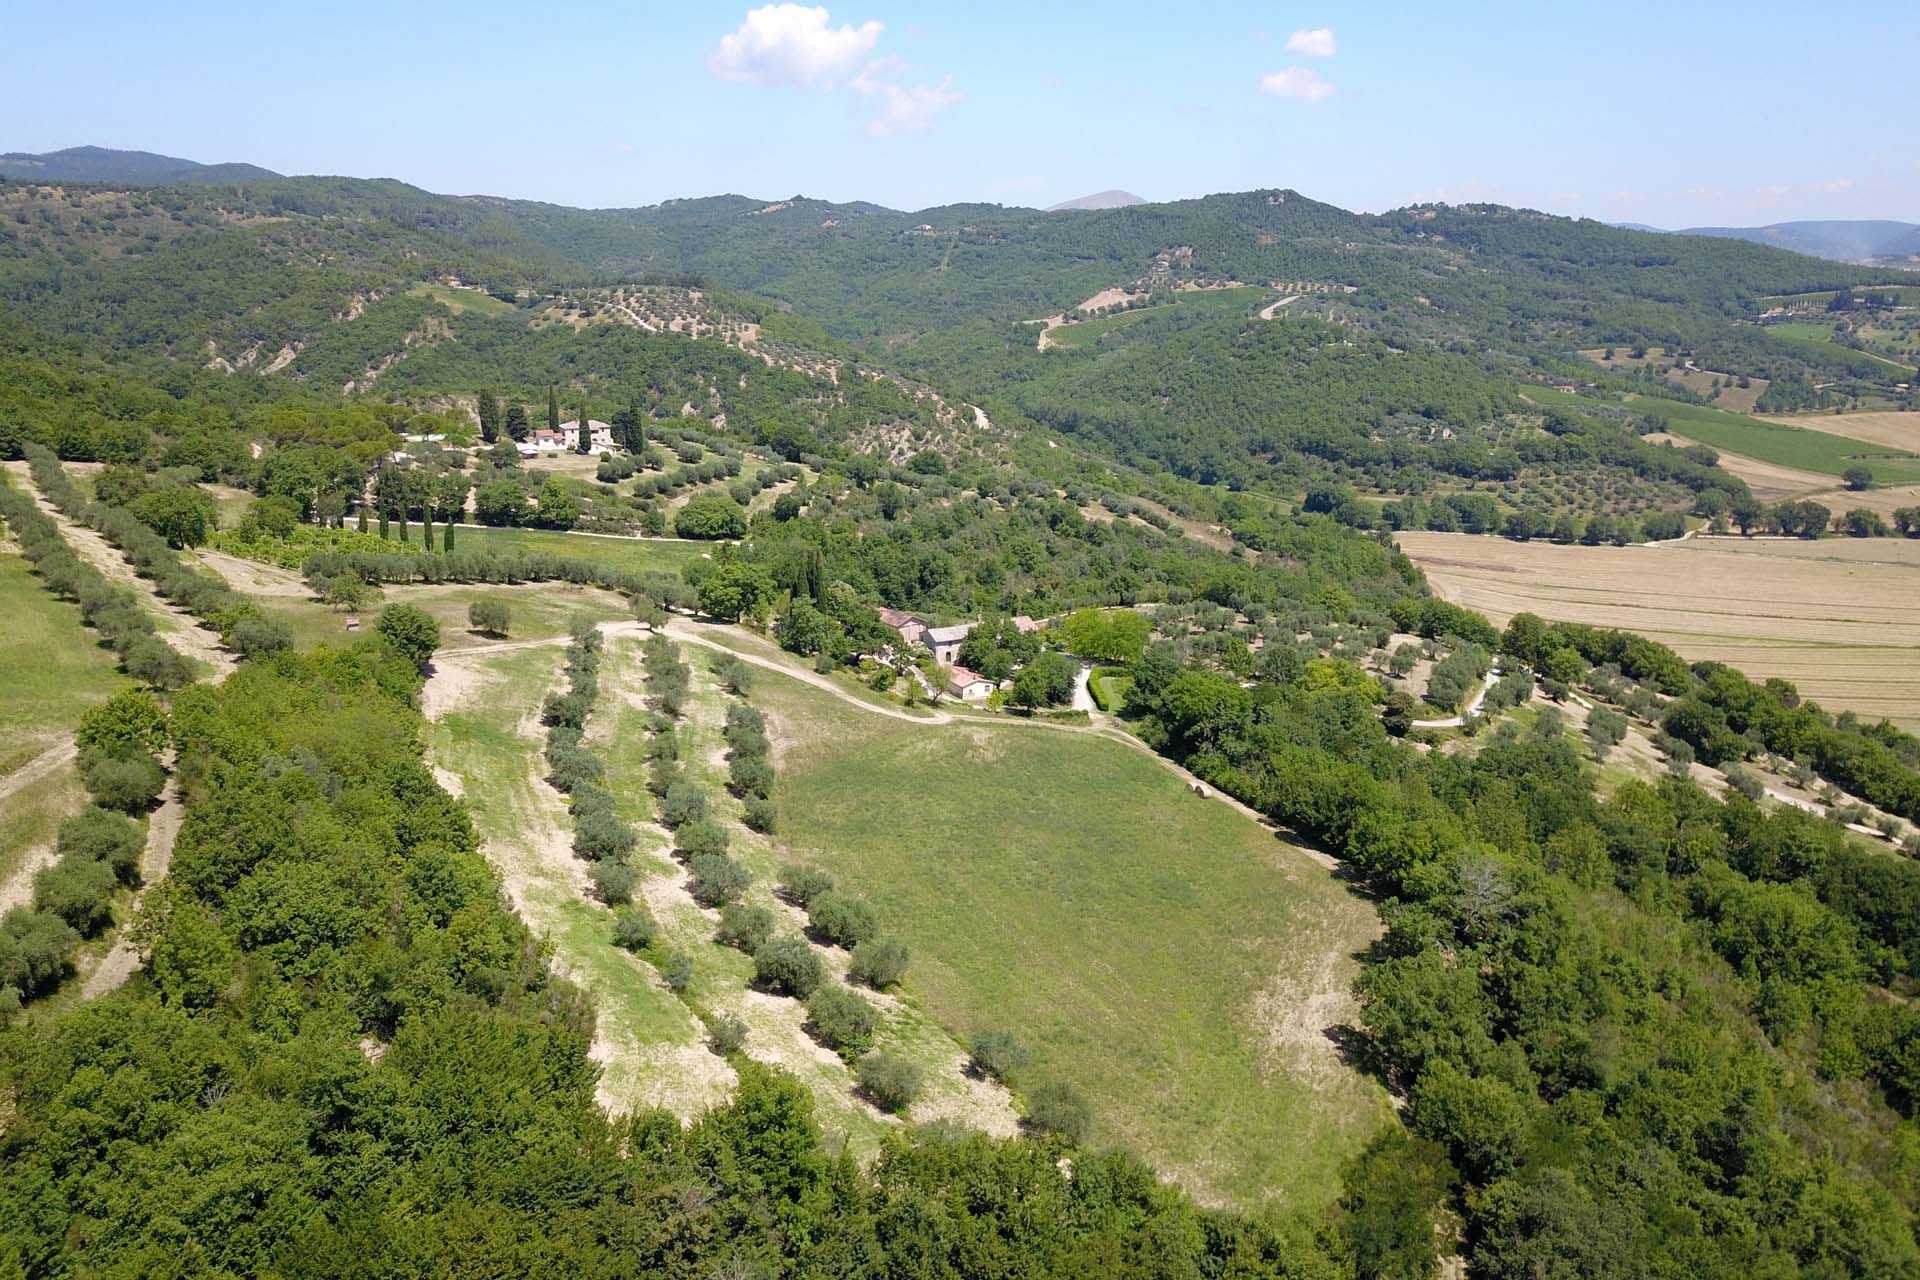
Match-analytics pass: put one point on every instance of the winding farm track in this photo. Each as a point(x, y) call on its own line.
point(37, 768)
point(163, 828)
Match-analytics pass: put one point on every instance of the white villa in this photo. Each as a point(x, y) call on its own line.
point(545, 442)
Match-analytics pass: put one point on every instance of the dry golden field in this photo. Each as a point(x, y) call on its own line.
point(1893, 429)
point(1838, 617)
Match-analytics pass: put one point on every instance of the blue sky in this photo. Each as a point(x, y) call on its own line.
point(1670, 114)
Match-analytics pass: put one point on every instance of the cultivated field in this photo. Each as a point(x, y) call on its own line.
point(1838, 617)
point(1214, 301)
point(1180, 965)
point(1892, 430)
point(638, 555)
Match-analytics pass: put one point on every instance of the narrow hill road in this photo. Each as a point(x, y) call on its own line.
point(1473, 708)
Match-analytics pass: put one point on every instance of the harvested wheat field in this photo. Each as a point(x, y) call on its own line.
point(1894, 430)
point(1838, 617)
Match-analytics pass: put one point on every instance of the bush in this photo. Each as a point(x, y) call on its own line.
point(890, 1080)
point(676, 970)
point(709, 515)
point(880, 962)
point(737, 676)
point(745, 927)
point(412, 632)
point(842, 1019)
point(77, 891)
point(801, 885)
point(682, 803)
point(257, 637)
point(128, 784)
point(750, 776)
point(613, 882)
point(633, 929)
point(998, 1055)
point(760, 814)
point(126, 724)
point(728, 1034)
point(489, 617)
point(788, 966)
point(701, 837)
point(842, 919)
point(598, 834)
point(1745, 782)
point(100, 835)
point(718, 879)
point(34, 951)
point(1056, 1107)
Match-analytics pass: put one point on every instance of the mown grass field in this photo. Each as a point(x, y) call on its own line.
point(638, 555)
point(1174, 961)
point(1814, 339)
point(462, 300)
point(55, 671)
point(1776, 442)
point(1214, 301)
point(1840, 617)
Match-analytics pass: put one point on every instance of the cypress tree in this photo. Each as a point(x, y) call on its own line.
point(489, 417)
point(363, 516)
point(383, 522)
point(585, 442)
point(446, 538)
point(553, 408)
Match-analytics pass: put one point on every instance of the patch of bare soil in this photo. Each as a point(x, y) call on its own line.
point(1297, 1015)
point(255, 578)
point(16, 890)
point(37, 768)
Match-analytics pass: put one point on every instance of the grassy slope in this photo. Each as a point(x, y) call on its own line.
point(636, 554)
point(1087, 332)
point(1775, 442)
point(56, 671)
point(1173, 960)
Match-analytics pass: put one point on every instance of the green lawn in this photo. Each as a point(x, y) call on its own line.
point(665, 555)
point(1087, 332)
point(460, 300)
point(1814, 341)
point(56, 667)
point(1171, 959)
point(1775, 442)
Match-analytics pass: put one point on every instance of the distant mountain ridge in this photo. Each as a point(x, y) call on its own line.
point(1110, 199)
point(1838, 239)
point(135, 168)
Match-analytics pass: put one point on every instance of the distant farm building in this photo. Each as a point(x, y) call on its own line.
point(968, 686)
point(946, 641)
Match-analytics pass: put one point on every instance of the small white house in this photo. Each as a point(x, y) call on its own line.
point(968, 686)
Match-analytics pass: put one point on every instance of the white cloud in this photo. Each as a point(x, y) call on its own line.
point(792, 45)
point(1314, 43)
point(904, 108)
point(1836, 184)
point(1301, 84)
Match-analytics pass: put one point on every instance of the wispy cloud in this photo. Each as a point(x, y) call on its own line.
point(1316, 42)
point(796, 47)
point(1299, 84)
point(904, 108)
point(791, 45)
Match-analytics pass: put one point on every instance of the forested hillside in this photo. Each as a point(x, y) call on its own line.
point(1637, 1025)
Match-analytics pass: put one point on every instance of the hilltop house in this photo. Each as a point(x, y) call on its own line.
point(968, 686)
point(545, 442)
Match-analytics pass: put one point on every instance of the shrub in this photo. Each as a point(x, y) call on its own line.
point(153, 661)
point(701, 837)
point(412, 632)
point(842, 1019)
point(490, 617)
point(718, 879)
point(750, 776)
point(1056, 1107)
point(890, 1080)
point(34, 950)
point(760, 814)
point(789, 966)
point(676, 970)
point(570, 765)
point(842, 919)
point(130, 785)
point(257, 637)
point(880, 962)
point(100, 835)
point(801, 885)
point(77, 891)
point(728, 1034)
point(1745, 782)
point(998, 1055)
point(633, 929)
point(745, 927)
point(682, 803)
point(613, 882)
point(125, 724)
point(709, 515)
point(737, 676)
point(599, 834)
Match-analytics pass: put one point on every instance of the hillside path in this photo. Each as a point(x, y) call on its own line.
point(163, 828)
